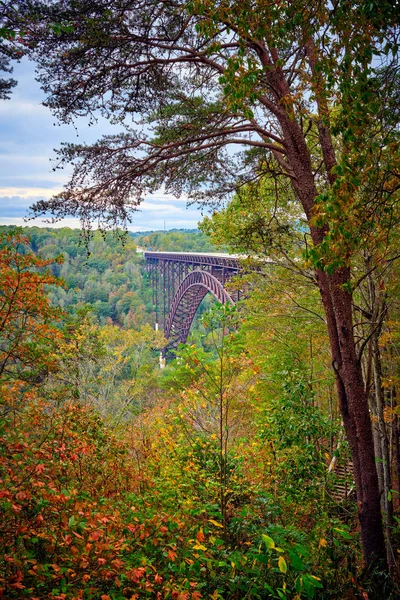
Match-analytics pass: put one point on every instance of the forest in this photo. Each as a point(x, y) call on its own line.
point(244, 423)
point(263, 461)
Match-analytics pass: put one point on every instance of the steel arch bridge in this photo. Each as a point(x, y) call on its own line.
point(180, 281)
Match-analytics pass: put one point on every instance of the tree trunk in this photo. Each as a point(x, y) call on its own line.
point(337, 302)
point(377, 445)
point(353, 400)
point(396, 435)
point(356, 418)
point(383, 437)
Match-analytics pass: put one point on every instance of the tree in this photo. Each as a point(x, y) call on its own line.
point(109, 369)
point(8, 49)
point(27, 321)
point(296, 83)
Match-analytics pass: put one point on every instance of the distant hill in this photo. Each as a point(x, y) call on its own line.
point(175, 240)
point(107, 275)
point(136, 234)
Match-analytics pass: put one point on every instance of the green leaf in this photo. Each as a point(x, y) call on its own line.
point(269, 542)
point(345, 534)
point(296, 561)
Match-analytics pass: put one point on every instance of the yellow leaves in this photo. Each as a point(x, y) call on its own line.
point(215, 523)
point(199, 547)
point(322, 543)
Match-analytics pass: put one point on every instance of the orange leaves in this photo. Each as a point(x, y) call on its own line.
point(135, 575)
point(84, 537)
point(26, 317)
point(200, 537)
point(172, 555)
point(15, 582)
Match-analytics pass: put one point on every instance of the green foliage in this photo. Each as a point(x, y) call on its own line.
point(175, 241)
point(105, 275)
point(261, 220)
point(206, 480)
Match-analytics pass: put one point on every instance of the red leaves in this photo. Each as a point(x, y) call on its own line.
point(23, 495)
point(180, 595)
point(16, 581)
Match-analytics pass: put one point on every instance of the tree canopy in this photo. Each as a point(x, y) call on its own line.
point(190, 81)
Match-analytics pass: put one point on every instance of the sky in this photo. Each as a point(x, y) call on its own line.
point(28, 138)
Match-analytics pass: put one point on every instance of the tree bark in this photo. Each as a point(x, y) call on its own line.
point(355, 412)
point(353, 400)
point(396, 435)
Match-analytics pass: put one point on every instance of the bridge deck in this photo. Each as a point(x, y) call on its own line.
point(200, 258)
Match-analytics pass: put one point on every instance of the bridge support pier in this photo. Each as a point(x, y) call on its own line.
point(163, 361)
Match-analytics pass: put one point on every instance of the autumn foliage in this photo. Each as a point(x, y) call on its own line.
point(205, 481)
point(26, 317)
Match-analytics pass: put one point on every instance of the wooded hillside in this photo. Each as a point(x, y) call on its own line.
point(209, 478)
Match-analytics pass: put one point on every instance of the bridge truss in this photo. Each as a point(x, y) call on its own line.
point(180, 281)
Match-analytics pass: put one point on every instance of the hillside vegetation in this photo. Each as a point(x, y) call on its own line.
point(208, 479)
point(190, 240)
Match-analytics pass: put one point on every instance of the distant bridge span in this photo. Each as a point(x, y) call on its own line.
point(180, 281)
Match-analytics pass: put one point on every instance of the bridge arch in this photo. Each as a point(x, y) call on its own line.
point(196, 285)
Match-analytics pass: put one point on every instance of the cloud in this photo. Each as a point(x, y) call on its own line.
point(30, 108)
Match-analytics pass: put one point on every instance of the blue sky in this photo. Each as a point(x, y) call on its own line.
point(27, 142)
